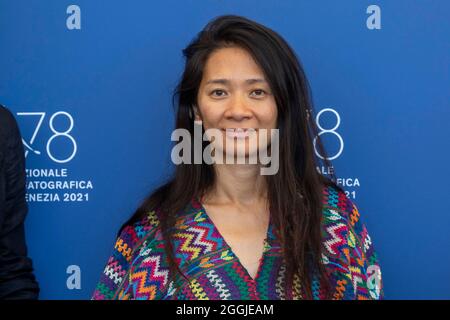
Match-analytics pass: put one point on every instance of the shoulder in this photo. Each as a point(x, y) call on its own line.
point(335, 217)
point(114, 280)
point(8, 125)
point(342, 224)
point(147, 269)
point(348, 248)
point(147, 232)
point(132, 236)
point(337, 206)
point(7, 120)
point(6, 117)
point(335, 197)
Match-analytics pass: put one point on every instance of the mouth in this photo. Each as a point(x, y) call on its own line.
point(239, 133)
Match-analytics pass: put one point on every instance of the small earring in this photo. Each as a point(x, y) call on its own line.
point(307, 114)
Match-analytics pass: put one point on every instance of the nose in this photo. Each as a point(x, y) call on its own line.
point(238, 109)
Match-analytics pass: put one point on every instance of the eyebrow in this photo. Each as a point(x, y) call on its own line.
point(227, 81)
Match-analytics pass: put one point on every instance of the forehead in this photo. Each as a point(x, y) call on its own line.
point(232, 63)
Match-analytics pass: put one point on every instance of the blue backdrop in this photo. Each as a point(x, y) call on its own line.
point(90, 83)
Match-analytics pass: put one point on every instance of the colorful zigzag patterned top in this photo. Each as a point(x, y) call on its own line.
point(138, 268)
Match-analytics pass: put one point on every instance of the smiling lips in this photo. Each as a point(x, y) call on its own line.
point(239, 133)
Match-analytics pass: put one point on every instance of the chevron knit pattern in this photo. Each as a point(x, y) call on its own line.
point(138, 266)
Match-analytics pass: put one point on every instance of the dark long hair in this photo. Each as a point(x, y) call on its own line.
point(295, 193)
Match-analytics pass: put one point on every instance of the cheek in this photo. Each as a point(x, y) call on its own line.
point(268, 116)
point(210, 116)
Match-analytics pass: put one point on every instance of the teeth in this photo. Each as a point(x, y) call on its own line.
point(237, 132)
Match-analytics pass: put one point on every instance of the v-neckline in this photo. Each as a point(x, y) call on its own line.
point(266, 242)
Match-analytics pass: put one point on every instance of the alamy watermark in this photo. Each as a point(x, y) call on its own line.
point(242, 146)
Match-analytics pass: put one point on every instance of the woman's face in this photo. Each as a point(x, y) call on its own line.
point(234, 96)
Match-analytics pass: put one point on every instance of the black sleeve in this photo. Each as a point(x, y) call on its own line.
point(17, 280)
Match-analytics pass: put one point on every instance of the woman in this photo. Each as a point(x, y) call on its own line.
point(226, 231)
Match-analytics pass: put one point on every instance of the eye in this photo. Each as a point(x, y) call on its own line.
point(218, 91)
point(260, 92)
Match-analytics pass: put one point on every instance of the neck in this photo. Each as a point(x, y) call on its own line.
point(238, 184)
